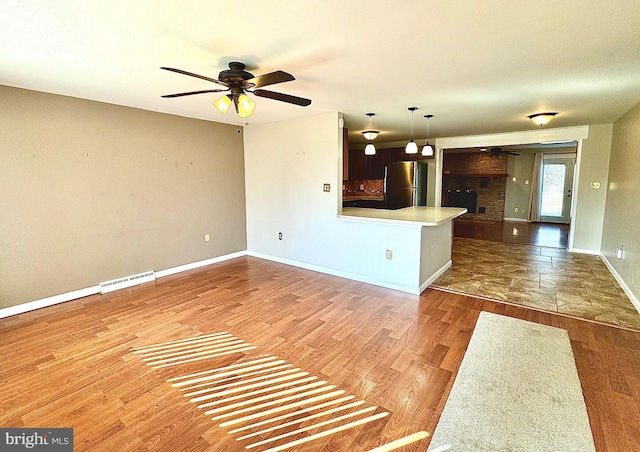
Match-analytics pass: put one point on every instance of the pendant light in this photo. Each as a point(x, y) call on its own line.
point(370, 134)
point(427, 150)
point(412, 147)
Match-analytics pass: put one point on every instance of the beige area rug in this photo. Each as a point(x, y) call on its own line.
point(517, 389)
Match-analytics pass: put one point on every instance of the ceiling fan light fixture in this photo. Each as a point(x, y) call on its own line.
point(246, 106)
point(542, 118)
point(412, 147)
point(223, 104)
point(370, 149)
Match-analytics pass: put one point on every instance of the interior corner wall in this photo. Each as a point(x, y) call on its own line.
point(622, 212)
point(590, 208)
point(287, 163)
point(91, 192)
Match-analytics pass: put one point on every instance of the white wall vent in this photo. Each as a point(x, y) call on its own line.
point(127, 281)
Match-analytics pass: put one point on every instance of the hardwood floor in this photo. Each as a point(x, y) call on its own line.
point(552, 235)
point(71, 365)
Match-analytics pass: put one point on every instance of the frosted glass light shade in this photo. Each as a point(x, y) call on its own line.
point(370, 134)
point(542, 118)
point(223, 104)
point(411, 148)
point(245, 106)
point(370, 149)
point(427, 150)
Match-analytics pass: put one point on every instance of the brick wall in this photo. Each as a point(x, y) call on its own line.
point(490, 190)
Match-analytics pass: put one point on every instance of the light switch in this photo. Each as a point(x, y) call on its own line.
point(595, 185)
point(326, 187)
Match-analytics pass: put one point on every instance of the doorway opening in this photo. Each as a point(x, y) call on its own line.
point(555, 188)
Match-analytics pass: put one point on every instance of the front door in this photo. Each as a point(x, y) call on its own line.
point(557, 183)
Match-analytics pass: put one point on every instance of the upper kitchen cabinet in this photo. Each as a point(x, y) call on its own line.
point(345, 153)
point(362, 166)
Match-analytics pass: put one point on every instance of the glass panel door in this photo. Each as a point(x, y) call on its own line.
point(553, 189)
point(557, 181)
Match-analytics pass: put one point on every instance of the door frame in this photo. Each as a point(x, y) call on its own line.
point(576, 134)
point(569, 160)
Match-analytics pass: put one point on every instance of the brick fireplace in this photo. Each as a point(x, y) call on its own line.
point(479, 176)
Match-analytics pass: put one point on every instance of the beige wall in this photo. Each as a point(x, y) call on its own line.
point(622, 212)
point(142, 198)
point(594, 167)
point(519, 192)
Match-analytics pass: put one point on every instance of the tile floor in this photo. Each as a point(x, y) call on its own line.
point(550, 279)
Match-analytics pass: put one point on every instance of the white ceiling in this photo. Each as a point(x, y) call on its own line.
point(478, 67)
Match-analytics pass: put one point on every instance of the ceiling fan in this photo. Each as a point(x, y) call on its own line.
point(496, 151)
point(237, 82)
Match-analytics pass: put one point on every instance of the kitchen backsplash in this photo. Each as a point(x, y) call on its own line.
point(363, 187)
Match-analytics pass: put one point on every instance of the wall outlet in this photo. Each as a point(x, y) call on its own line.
point(326, 187)
point(389, 254)
point(361, 186)
point(207, 237)
point(279, 235)
point(517, 210)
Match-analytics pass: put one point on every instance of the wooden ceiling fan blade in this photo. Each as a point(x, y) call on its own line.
point(191, 74)
point(283, 97)
point(271, 79)
point(195, 92)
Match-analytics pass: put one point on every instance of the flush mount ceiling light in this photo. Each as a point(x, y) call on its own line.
point(370, 134)
point(370, 149)
point(412, 147)
point(542, 118)
point(427, 150)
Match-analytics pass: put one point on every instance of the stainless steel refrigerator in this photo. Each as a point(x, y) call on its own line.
point(405, 184)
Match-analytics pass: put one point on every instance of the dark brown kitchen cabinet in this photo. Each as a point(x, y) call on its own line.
point(372, 166)
point(365, 166)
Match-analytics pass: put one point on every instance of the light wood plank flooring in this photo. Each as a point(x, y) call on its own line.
point(71, 365)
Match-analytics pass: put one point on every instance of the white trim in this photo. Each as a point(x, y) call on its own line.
point(334, 272)
point(583, 251)
point(68, 296)
point(516, 220)
point(513, 138)
point(49, 301)
point(634, 300)
point(573, 208)
point(213, 260)
point(435, 276)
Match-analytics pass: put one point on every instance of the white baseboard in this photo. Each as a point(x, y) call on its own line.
point(49, 301)
point(516, 220)
point(583, 251)
point(333, 272)
point(625, 288)
point(61, 298)
point(435, 276)
point(213, 260)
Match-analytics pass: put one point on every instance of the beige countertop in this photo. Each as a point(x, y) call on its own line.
point(418, 215)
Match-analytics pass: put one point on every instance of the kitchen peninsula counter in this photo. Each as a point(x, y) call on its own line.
point(415, 215)
point(404, 249)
